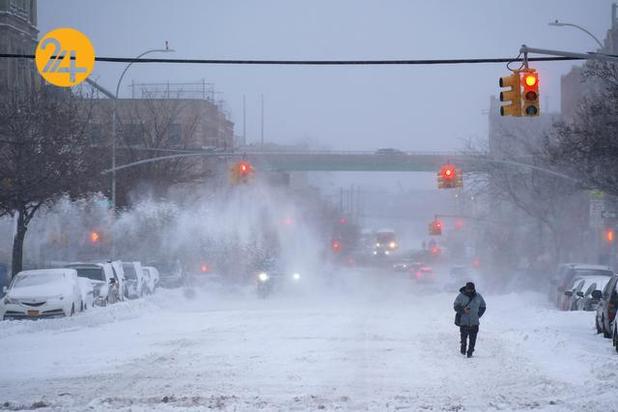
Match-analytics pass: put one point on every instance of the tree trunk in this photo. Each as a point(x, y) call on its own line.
point(18, 243)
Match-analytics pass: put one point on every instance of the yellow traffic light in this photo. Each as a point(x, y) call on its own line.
point(512, 94)
point(531, 106)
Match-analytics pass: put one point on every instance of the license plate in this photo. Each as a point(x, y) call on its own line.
point(33, 313)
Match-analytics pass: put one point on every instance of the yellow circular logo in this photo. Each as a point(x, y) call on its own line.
point(64, 57)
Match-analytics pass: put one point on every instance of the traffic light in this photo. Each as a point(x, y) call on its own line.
point(449, 177)
point(609, 235)
point(530, 96)
point(241, 172)
point(435, 228)
point(94, 237)
point(512, 95)
point(336, 246)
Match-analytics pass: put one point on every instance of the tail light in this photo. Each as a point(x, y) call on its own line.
point(419, 275)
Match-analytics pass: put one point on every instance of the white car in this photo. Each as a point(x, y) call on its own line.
point(43, 293)
point(86, 293)
point(152, 275)
point(105, 282)
point(119, 272)
point(134, 279)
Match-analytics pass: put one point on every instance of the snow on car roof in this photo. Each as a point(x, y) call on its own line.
point(50, 271)
point(590, 267)
point(601, 281)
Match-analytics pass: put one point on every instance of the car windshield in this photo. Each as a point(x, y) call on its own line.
point(593, 272)
point(93, 273)
point(129, 271)
point(35, 279)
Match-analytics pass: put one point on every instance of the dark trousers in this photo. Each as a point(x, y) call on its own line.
point(468, 332)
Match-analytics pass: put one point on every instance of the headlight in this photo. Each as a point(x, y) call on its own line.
point(10, 301)
point(375, 252)
point(378, 244)
point(263, 277)
point(392, 245)
point(296, 276)
point(386, 252)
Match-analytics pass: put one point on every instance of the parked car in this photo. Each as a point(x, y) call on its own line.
point(569, 271)
point(104, 280)
point(606, 310)
point(152, 274)
point(573, 294)
point(43, 293)
point(171, 275)
point(615, 336)
point(591, 293)
point(4, 276)
point(86, 293)
point(134, 279)
point(119, 272)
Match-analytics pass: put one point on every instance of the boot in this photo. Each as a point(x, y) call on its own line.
point(469, 355)
point(463, 349)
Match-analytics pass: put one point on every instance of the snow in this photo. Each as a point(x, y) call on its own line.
point(370, 341)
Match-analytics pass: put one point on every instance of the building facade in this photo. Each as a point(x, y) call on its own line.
point(18, 34)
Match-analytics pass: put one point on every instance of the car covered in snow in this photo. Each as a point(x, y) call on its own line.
point(606, 310)
point(134, 279)
point(567, 273)
point(104, 279)
point(42, 293)
point(151, 276)
point(86, 292)
point(171, 275)
point(586, 293)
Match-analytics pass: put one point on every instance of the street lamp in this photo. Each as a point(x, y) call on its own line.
point(557, 23)
point(114, 104)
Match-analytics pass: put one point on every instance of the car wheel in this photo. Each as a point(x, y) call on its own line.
point(615, 340)
point(596, 322)
point(72, 309)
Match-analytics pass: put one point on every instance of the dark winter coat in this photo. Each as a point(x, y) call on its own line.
point(477, 307)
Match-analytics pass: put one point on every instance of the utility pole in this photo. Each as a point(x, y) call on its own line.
point(262, 123)
point(244, 119)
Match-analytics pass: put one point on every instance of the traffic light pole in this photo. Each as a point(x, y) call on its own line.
point(588, 56)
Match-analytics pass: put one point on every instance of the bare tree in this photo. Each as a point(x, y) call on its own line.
point(516, 172)
point(43, 155)
point(587, 146)
point(150, 128)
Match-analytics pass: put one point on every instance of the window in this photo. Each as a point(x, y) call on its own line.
point(133, 134)
point(174, 134)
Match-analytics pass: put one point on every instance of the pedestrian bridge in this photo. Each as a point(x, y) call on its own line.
point(321, 161)
point(350, 161)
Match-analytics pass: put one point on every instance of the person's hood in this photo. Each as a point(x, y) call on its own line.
point(462, 290)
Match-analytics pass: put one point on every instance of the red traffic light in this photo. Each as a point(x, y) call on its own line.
point(94, 237)
point(530, 79)
point(336, 246)
point(244, 168)
point(609, 235)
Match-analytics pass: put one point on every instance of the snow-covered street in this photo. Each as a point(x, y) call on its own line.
point(381, 343)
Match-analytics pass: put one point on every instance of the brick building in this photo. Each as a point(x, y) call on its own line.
point(18, 34)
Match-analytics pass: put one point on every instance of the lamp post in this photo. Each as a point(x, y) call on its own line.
point(114, 107)
point(557, 23)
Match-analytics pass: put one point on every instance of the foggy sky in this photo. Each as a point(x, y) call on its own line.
point(360, 108)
